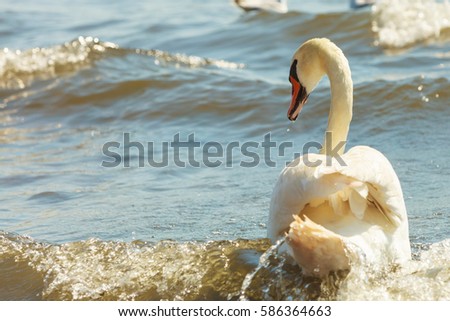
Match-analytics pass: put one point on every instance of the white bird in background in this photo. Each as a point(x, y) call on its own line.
point(279, 6)
point(355, 4)
point(336, 209)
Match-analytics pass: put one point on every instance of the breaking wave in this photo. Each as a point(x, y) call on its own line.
point(401, 23)
point(215, 270)
point(19, 68)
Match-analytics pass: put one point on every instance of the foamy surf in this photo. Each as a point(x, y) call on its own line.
point(18, 68)
point(218, 270)
point(401, 23)
point(425, 278)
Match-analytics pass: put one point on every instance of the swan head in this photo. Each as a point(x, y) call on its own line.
point(307, 68)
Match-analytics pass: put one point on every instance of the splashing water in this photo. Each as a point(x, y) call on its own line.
point(19, 68)
point(400, 23)
point(264, 262)
point(188, 61)
point(425, 278)
point(218, 270)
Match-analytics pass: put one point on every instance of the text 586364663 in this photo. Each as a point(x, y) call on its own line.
point(287, 310)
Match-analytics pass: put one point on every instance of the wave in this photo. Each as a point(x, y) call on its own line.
point(19, 68)
point(215, 270)
point(425, 278)
point(401, 23)
point(102, 270)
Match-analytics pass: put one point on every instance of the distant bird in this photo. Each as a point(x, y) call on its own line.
point(355, 4)
point(279, 6)
point(343, 208)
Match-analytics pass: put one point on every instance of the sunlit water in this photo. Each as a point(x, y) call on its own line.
point(74, 77)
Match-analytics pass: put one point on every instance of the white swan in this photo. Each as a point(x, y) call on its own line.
point(336, 208)
point(355, 4)
point(279, 6)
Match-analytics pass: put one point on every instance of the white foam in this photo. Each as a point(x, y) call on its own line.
point(17, 67)
point(426, 278)
point(400, 23)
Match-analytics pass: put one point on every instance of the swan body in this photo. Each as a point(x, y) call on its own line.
point(336, 208)
point(356, 4)
point(279, 6)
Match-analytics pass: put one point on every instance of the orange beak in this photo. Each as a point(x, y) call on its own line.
point(299, 98)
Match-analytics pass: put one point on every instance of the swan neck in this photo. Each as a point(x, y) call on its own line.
point(341, 109)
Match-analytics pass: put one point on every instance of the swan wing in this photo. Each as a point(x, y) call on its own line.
point(373, 182)
point(362, 179)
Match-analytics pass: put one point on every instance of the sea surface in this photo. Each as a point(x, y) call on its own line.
point(84, 84)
